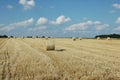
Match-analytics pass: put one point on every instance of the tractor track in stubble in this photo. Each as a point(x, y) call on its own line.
point(2, 43)
point(6, 71)
point(50, 54)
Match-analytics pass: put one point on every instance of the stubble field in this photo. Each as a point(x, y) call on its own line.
point(87, 59)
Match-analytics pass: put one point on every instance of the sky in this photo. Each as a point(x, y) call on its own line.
point(59, 18)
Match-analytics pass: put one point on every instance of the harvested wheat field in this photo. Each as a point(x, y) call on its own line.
point(86, 59)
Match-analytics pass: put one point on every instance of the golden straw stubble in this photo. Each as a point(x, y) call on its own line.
point(50, 45)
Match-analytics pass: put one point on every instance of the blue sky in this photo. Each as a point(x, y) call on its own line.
point(59, 18)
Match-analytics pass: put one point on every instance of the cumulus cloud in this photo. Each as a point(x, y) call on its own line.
point(84, 25)
point(42, 20)
point(37, 28)
point(27, 4)
point(60, 20)
point(102, 26)
point(9, 6)
point(6, 28)
point(23, 23)
point(116, 5)
point(16, 25)
point(118, 20)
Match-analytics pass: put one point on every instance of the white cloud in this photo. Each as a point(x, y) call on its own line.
point(118, 20)
point(37, 28)
point(27, 4)
point(23, 23)
point(97, 22)
point(116, 5)
point(84, 25)
point(42, 20)
point(7, 28)
point(102, 26)
point(118, 28)
point(60, 20)
point(9, 6)
point(74, 27)
point(18, 24)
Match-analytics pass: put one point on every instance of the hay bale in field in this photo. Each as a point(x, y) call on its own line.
point(98, 38)
point(46, 38)
point(74, 39)
point(33, 37)
point(80, 38)
point(108, 38)
point(9, 37)
point(50, 45)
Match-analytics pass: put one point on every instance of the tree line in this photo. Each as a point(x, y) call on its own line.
point(101, 36)
point(5, 36)
point(108, 35)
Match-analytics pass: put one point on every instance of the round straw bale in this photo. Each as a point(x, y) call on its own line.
point(50, 45)
point(74, 39)
point(80, 38)
point(98, 38)
point(46, 38)
point(108, 38)
point(8, 37)
point(33, 37)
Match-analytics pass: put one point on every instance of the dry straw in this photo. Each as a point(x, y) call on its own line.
point(50, 45)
